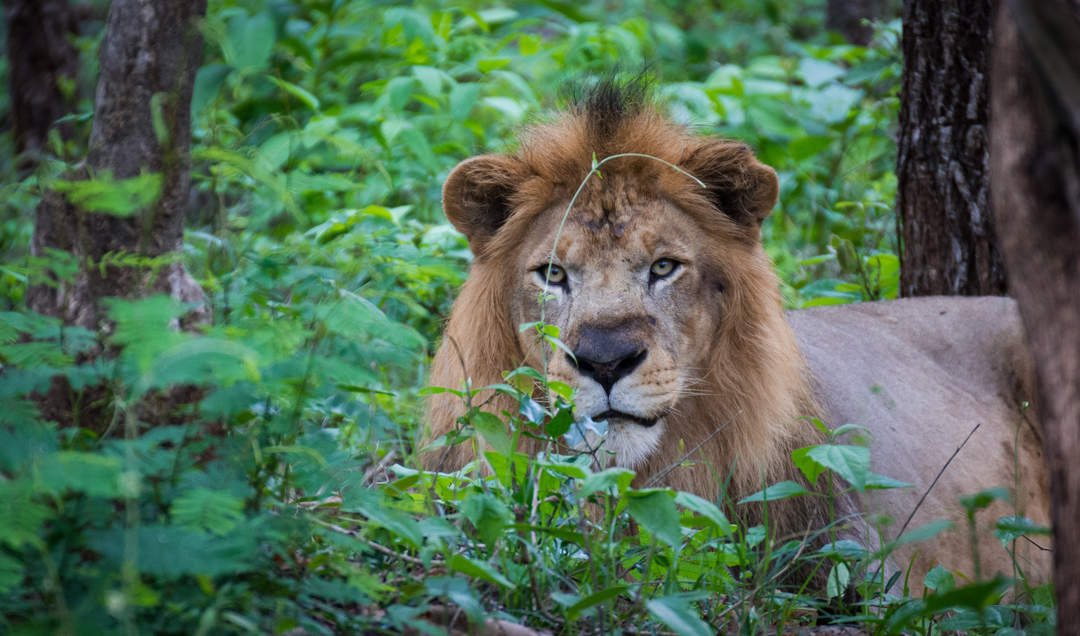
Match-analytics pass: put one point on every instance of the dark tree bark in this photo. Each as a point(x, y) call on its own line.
point(149, 56)
point(40, 59)
point(946, 229)
point(1035, 151)
point(847, 16)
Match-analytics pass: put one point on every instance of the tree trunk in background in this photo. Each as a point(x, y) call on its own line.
point(946, 229)
point(40, 59)
point(149, 56)
point(1035, 150)
point(846, 16)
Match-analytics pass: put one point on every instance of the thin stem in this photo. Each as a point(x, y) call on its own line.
point(566, 215)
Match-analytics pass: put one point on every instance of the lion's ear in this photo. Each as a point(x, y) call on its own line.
point(476, 196)
point(739, 185)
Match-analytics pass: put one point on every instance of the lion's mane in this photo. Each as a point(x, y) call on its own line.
point(751, 407)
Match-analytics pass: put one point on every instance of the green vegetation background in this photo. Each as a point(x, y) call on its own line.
point(286, 495)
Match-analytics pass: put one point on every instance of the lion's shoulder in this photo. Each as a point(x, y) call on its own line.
point(925, 377)
point(977, 342)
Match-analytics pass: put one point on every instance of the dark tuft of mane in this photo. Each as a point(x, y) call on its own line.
point(608, 103)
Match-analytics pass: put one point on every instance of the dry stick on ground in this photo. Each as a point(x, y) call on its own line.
point(378, 467)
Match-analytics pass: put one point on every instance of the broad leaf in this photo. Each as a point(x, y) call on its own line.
point(781, 490)
point(655, 511)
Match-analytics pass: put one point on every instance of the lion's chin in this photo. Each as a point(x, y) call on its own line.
point(631, 442)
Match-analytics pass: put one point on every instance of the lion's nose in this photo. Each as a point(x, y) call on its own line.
point(607, 365)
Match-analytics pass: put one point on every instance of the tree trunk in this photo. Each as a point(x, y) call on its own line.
point(41, 59)
point(1035, 150)
point(946, 229)
point(846, 16)
point(149, 56)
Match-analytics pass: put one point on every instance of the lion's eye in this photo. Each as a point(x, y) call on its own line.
point(555, 274)
point(662, 268)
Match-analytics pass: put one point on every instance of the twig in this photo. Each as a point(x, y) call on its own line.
point(377, 468)
point(931, 487)
point(376, 546)
point(934, 483)
point(675, 464)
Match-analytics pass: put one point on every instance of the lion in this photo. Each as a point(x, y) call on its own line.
point(677, 337)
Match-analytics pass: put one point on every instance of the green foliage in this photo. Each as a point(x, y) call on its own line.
point(256, 473)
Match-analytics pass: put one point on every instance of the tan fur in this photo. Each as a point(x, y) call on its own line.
point(722, 374)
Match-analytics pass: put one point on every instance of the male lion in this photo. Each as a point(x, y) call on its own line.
point(663, 292)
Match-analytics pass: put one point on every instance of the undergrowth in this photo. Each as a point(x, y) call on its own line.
point(282, 492)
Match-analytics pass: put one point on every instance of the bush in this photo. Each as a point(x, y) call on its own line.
point(257, 473)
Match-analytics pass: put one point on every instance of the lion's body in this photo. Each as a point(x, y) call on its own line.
point(920, 374)
point(666, 297)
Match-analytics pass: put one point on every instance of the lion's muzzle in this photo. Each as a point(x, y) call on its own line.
point(607, 355)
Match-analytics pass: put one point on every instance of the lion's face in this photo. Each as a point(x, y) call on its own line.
point(636, 298)
point(659, 285)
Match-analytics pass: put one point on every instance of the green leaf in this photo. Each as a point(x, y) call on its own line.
point(984, 498)
point(531, 410)
point(76, 471)
point(612, 480)
point(351, 315)
point(249, 41)
point(706, 509)
point(381, 513)
point(939, 579)
point(558, 425)
point(298, 92)
point(418, 145)
point(568, 9)
point(677, 613)
point(21, 518)
point(923, 533)
point(494, 432)
point(491, 64)
point(781, 490)
point(11, 573)
point(529, 44)
point(478, 569)
point(200, 361)
point(655, 511)
point(209, 510)
point(852, 463)
point(462, 99)
point(592, 600)
point(34, 354)
point(208, 82)
point(19, 412)
point(488, 514)
point(804, 148)
point(817, 72)
point(431, 79)
point(845, 548)
point(976, 596)
point(275, 151)
point(838, 580)
point(399, 91)
point(116, 197)
point(807, 464)
point(460, 592)
point(1010, 528)
point(875, 481)
point(171, 552)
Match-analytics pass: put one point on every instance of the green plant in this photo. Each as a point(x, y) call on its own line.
point(255, 473)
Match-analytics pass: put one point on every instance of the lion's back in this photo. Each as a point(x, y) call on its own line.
point(920, 374)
